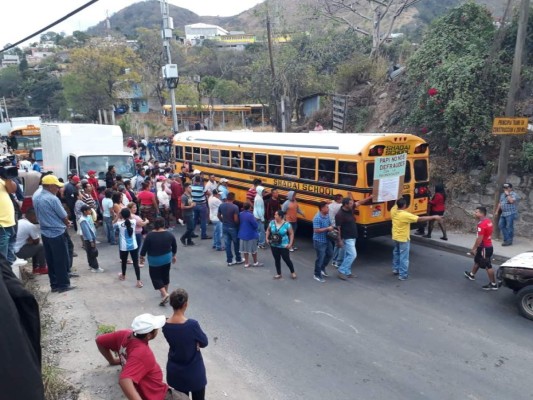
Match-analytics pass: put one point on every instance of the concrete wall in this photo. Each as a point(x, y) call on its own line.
point(463, 201)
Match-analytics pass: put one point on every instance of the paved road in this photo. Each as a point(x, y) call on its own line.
point(435, 336)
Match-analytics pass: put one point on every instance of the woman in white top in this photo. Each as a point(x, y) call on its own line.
point(127, 243)
point(164, 203)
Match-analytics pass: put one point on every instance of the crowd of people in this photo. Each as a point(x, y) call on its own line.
point(139, 216)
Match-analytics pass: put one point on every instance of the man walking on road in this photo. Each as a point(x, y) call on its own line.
point(323, 246)
point(228, 213)
point(71, 193)
point(401, 230)
point(54, 222)
point(482, 249)
point(187, 207)
point(508, 206)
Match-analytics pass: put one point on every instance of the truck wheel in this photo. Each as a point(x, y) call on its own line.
point(525, 302)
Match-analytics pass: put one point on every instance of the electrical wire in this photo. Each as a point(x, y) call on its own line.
point(77, 10)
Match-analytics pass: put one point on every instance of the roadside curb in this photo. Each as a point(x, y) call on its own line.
point(452, 248)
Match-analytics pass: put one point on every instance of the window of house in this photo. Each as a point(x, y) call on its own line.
point(274, 164)
point(289, 166)
point(215, 156)
point(236, 159)
point(347, 174)
point(326, 171)
point(248, 161)
point(188, 153)
point(307, 168)
point(260, 162)
point(224, 158)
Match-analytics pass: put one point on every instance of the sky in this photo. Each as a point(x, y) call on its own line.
point(22, 18)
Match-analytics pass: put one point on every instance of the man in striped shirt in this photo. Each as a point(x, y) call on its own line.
point(200, 209)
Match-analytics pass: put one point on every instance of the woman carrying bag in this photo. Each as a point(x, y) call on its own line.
point(280, 237)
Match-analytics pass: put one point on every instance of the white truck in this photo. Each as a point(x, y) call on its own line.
point(79, 148)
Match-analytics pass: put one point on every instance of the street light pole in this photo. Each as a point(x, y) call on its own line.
point(168, 25)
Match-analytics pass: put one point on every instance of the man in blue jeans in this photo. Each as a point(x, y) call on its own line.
point(323, 246)
point(509, 211)
point(8, 232)
point(401, 235)
point(198, 193)
point(228, 213)
point(187, 206)
point(345, 221)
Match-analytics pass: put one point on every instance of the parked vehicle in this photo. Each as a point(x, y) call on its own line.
point(79, 148)
point(517, 274)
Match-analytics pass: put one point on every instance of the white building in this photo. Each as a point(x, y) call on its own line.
point(196, 33)
point(9, 59)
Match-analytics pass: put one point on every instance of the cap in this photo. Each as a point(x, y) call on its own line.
point(91, 172)
point(75, 178)
point(507, 185)
point(161, 178)
point(223, 180)
point(196, 172)
point(146, 323)
point(51, 180)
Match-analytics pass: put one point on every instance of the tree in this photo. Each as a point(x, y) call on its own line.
point(372, 18)
point(457, 92)
point(100, 76)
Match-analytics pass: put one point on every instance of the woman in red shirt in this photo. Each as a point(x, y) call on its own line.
point(149, 207)
point(437, 204)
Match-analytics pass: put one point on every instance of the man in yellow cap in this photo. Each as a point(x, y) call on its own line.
point(54, 221)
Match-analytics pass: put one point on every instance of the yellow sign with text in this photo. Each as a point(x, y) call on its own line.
point(509, 126)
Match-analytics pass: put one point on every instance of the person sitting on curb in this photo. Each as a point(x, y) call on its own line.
point(28, 242)
point(141, 376)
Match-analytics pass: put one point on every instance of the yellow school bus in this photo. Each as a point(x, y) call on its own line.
point(316, 165)
point(23, 139)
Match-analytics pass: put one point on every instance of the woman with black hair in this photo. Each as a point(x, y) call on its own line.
point(127, 243)
point(185, 365)
point(437, 204)
point(280, 236)
point(161, 247)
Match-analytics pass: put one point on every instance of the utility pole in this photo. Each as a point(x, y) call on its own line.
point(274, 90)
point(170, 71)
point(503, 161)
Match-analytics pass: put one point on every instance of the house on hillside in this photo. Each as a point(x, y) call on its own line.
point(195, 34)
point(9, 60)
point(37, 55)
point(133, 99)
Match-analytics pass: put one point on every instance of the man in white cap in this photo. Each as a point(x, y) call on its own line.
point(223, 189)
point(141, 376)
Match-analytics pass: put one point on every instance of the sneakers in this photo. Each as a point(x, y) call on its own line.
point(395, 272)
point(232, 263)
point(490, 286)
point(470, 276)
point(402, 278)
point(239, 262)
point(258, 264)
point(324, 273)
point(319, 279)
point(97, 270)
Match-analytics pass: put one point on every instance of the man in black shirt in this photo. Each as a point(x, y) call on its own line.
point(70, 194)
point(345, 222)
point(228, 213)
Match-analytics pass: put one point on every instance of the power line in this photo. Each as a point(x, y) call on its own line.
point(77, 10)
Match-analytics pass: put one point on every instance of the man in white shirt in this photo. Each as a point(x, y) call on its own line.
point(212, 184)
point(214, 203)
point(28, 242)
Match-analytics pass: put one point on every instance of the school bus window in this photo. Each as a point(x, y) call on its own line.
point(370, 174)
point(260, 162)
point(274, 164)
point(248, 161)
point(347, 173)
point(289, 165)
point(326, 171)
point(196, 154)
point(179, 153)
point(224, 158)
point(188, 153)
point(205, 156)
point(307, 168)
point(215, 156)
point(421, 170)
point(407, 177)
point(236, 159)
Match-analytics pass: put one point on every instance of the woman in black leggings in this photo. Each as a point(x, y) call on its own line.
point(127, 244)
point(280, 236)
